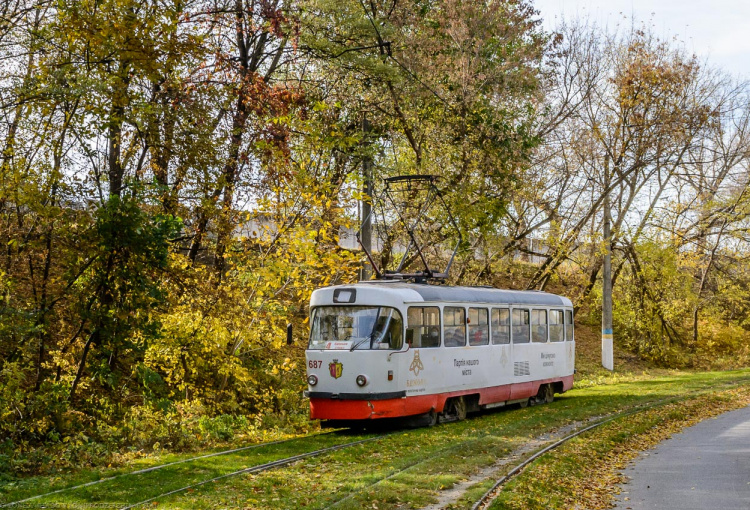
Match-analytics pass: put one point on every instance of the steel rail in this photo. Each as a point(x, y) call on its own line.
point(446, 449)
point(637, 408)
point(486, 498)
point(490, 495)
point(154, 468)
point(259, 468)
point(281, 462)
point(395, 472)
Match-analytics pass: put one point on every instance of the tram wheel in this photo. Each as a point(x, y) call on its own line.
point(460, 406)
point(547, 394)
point(432, 418)
point(455, 410)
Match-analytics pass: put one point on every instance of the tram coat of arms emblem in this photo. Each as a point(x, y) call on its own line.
point(336, 368)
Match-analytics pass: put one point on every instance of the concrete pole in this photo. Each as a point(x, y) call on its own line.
point(366, 225)
point(607, 344)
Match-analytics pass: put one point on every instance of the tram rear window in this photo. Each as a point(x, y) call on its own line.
point(356, 327)
point(423, 326)
point(568, 325)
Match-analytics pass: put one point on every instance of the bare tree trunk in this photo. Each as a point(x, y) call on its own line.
point(82, 364)
point(703, 281)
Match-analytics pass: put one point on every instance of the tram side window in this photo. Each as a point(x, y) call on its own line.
point(569, 325)
point(500, 326)
point(479, 332)
point(539, 326)
point(556, 327)
point(520, 326)
point(454, 326)
point(423, 326)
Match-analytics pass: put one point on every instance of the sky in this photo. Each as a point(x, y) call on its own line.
point(718, 31)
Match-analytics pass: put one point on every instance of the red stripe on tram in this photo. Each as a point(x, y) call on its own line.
point(335, 409)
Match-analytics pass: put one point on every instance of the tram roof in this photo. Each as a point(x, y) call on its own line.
point(451, 294)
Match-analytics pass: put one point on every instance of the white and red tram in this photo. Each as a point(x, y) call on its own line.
point(390, 349)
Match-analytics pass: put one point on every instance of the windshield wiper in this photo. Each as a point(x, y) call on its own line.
point(366, 339)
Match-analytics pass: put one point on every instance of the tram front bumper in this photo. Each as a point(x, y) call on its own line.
point(354, 407)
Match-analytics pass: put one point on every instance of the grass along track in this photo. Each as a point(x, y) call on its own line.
point(529, 452)
point(489, 496)
point(41, 490)
point(408, 469)
point(156, 467)
point(584, 472)
point(256, 469)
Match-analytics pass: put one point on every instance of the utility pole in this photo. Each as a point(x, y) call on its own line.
point(366, 225)
point(607, 344)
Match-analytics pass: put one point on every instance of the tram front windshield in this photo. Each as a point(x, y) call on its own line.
point(356, 327)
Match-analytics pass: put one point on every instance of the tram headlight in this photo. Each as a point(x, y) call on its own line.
point(312, 380)
point(361, 380)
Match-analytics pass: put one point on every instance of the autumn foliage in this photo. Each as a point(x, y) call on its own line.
point(175, 179)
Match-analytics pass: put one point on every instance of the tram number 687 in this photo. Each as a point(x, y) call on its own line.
point(314, 363)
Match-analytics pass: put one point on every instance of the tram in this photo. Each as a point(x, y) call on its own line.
point(383, 349)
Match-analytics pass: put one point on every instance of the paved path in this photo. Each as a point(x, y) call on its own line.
point(707, 466)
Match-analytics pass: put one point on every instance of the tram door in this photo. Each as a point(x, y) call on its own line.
point(520, 337)
point(570, 345)
point(500, 321)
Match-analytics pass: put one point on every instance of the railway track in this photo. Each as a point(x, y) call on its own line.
point(492, 493)
point(489, 496)
point(446, 451)
point(256, 469)
point(250, 469)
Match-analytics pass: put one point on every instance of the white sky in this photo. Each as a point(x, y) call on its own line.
point(717, 30)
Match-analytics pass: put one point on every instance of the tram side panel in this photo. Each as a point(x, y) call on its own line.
point(499, 374)
point(433, 375)
point(427, 377)
point(496, 373)
point(535, 364)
